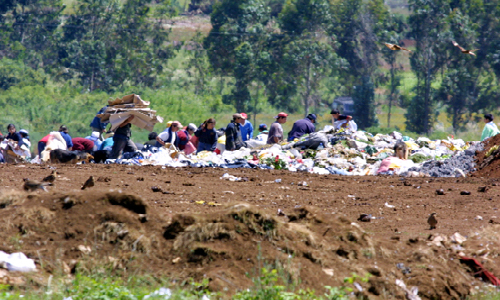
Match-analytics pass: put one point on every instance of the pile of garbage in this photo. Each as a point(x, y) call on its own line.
point(333, 152)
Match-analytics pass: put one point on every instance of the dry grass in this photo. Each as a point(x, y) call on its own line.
point(11, 197)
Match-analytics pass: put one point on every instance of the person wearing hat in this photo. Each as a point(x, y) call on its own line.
point(184, 135)
point(169, 135)
point(303, 126)
point(234, 140)
point(490, 129)
point(207, 136)
point(246, 128)
point(26, 139)
point(263, 133)
point(276, 131)
point(95, 137)
point(65, 135)
point(121, 139)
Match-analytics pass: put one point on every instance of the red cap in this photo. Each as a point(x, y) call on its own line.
point(244, 115)
point(281, 114)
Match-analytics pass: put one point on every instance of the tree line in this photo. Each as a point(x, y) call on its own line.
point(295, 54)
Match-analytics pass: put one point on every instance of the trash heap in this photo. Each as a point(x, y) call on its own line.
point(119, 110)
point(334, 152)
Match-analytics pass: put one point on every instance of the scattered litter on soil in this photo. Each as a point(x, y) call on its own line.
point(123, 225)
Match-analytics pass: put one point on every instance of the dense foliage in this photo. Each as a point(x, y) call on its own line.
point(60, 63)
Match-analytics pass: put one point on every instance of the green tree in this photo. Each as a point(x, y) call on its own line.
point(429, 29)
point(355, 26)
point(461, 82)
point(237, 46)
point(307, 56)
point(393, 31)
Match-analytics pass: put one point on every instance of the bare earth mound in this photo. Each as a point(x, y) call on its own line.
point(124, 225)
point(488, 162)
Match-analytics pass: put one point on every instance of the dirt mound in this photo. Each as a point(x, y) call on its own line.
point(65, 232)
point(488, 160)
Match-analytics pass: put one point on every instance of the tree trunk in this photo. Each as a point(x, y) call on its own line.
point(391, 96)
point(308, 87)
point(255, 102)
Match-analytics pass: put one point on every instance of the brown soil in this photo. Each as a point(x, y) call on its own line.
point(129, 227)
point(488, 166)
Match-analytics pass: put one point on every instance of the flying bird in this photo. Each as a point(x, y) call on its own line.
point(51, 178)
point(432, 221)
point(33, 185)
point(471, 52)
point(396, 47)
point(89, 183)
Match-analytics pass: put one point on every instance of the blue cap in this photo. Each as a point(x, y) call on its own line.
point(311, 117)
point(263, 126)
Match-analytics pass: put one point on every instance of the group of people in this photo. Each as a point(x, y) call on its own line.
point(190, 138)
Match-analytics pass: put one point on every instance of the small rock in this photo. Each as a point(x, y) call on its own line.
point(365, 218)
point(140, 178)
point(328, 272)
point(143, 218)
point(465, 193)
point(457, 238)
point(483, 189)
point(440, 192)
point(176, 260)
point(84, 249)
point(156, 189)
point(478, 218)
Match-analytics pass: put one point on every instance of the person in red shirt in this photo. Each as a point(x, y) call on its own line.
point(42, 143)
point(82, 144)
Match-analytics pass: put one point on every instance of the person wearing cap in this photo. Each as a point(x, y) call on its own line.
point(490, 129)
point(336, 116)
point(169, 135)
point(26, 140)
point(207, 136)
point(64, 133)
point(246, 128)
point(234, 140)
point(263, 133)
point(276, 131)
point(303, 126)
point(184, 135)
point(121, 139)
point(97, 125)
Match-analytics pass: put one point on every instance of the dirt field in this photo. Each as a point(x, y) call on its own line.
point(169, 233)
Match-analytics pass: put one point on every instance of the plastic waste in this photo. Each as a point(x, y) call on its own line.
point(20, 262)
point(166, 292)
point(277, 180)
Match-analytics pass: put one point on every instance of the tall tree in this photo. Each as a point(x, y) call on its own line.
point(308, 55)
point(237, 46)
point(461, 88)
point(393, 31)
point(431, 33)
point(355, 27)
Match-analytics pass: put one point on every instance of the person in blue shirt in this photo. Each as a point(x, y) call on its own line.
point(301, 127)
point(169, 135)
point(99, 126)
point(64, 133)
point(246, 128)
